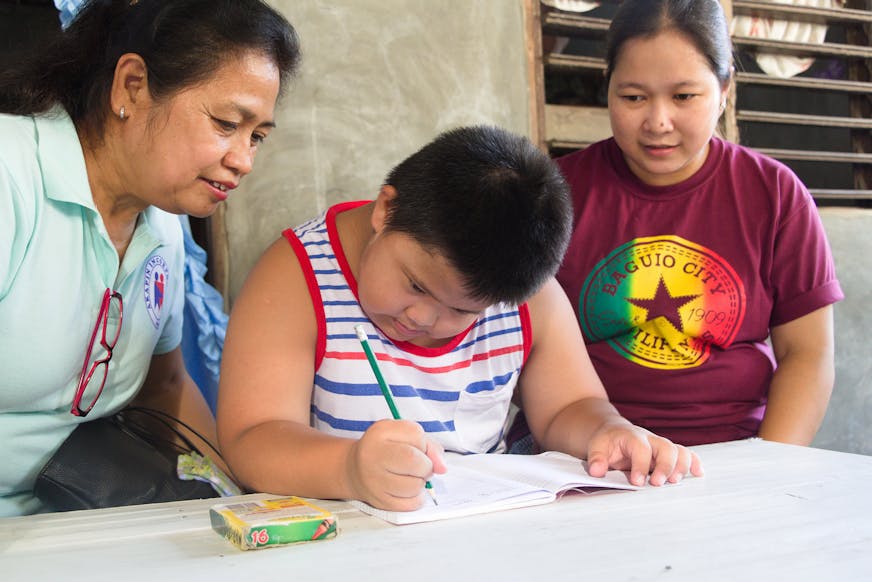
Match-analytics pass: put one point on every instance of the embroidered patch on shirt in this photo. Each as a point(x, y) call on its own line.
point(156, 278)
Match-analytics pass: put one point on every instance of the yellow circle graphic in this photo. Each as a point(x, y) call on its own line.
point(662, 302)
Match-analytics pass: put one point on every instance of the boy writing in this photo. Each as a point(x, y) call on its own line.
point(450, 271)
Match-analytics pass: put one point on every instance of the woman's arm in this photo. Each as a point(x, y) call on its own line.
point(170, 389)
point(568, 410)
point(803, 381)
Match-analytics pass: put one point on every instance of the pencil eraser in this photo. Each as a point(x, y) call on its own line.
point(272, 522)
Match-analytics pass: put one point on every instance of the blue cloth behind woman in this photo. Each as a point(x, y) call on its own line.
point(205, 321)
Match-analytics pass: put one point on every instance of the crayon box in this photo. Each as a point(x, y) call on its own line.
point(272, 522)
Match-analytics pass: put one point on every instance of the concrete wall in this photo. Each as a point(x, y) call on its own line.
point(382, 77)
point(848, 423)
point(379, 79)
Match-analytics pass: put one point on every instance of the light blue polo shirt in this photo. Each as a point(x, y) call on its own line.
point(56, 261)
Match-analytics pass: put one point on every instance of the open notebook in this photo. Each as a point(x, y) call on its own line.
point(493, 482)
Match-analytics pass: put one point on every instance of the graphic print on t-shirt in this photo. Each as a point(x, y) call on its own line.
point(662, 302)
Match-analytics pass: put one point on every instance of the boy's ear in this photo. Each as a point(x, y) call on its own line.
point(383, 203)
point(130, 85)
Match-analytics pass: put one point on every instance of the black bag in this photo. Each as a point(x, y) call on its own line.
point(125, 459)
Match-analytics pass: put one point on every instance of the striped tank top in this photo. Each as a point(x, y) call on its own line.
point(459, 393)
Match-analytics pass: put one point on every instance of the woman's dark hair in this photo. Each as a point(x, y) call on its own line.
point(183, 42)
point(496, 207)
point(701, 21)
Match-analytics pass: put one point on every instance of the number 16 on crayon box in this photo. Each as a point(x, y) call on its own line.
point(272, 522)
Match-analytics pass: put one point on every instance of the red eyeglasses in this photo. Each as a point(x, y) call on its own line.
point(111, 327)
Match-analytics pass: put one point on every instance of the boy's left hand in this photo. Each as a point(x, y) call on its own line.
point(624, 446)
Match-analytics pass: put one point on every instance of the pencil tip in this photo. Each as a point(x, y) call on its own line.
point(433, 496)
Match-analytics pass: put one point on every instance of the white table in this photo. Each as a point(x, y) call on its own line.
point(764, 511)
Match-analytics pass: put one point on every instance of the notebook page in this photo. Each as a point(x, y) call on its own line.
point(551, 471)
point(464, 491)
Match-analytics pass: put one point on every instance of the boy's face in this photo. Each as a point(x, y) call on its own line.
point(412, 294)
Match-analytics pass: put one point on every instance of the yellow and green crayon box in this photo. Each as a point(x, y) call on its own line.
point(272, 522)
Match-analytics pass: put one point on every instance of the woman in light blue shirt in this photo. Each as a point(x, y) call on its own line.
point(138, 111)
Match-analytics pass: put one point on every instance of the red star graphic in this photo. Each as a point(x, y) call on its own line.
point(664, 304)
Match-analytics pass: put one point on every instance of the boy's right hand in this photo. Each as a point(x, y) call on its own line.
point(389, 465)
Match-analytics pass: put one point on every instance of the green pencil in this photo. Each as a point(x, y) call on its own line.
point(385, 389)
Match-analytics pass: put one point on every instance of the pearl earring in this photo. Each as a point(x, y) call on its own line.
point(121, 113)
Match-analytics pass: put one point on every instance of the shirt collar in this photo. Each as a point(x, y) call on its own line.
point(65, 176)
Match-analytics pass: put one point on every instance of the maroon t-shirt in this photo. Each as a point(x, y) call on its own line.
point(676, 287)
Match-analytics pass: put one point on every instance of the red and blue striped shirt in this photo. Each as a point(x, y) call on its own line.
point(459, 393)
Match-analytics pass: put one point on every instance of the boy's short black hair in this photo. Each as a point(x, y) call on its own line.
point(491, 203)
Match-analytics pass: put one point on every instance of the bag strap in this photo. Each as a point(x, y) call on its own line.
point(171, 423)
